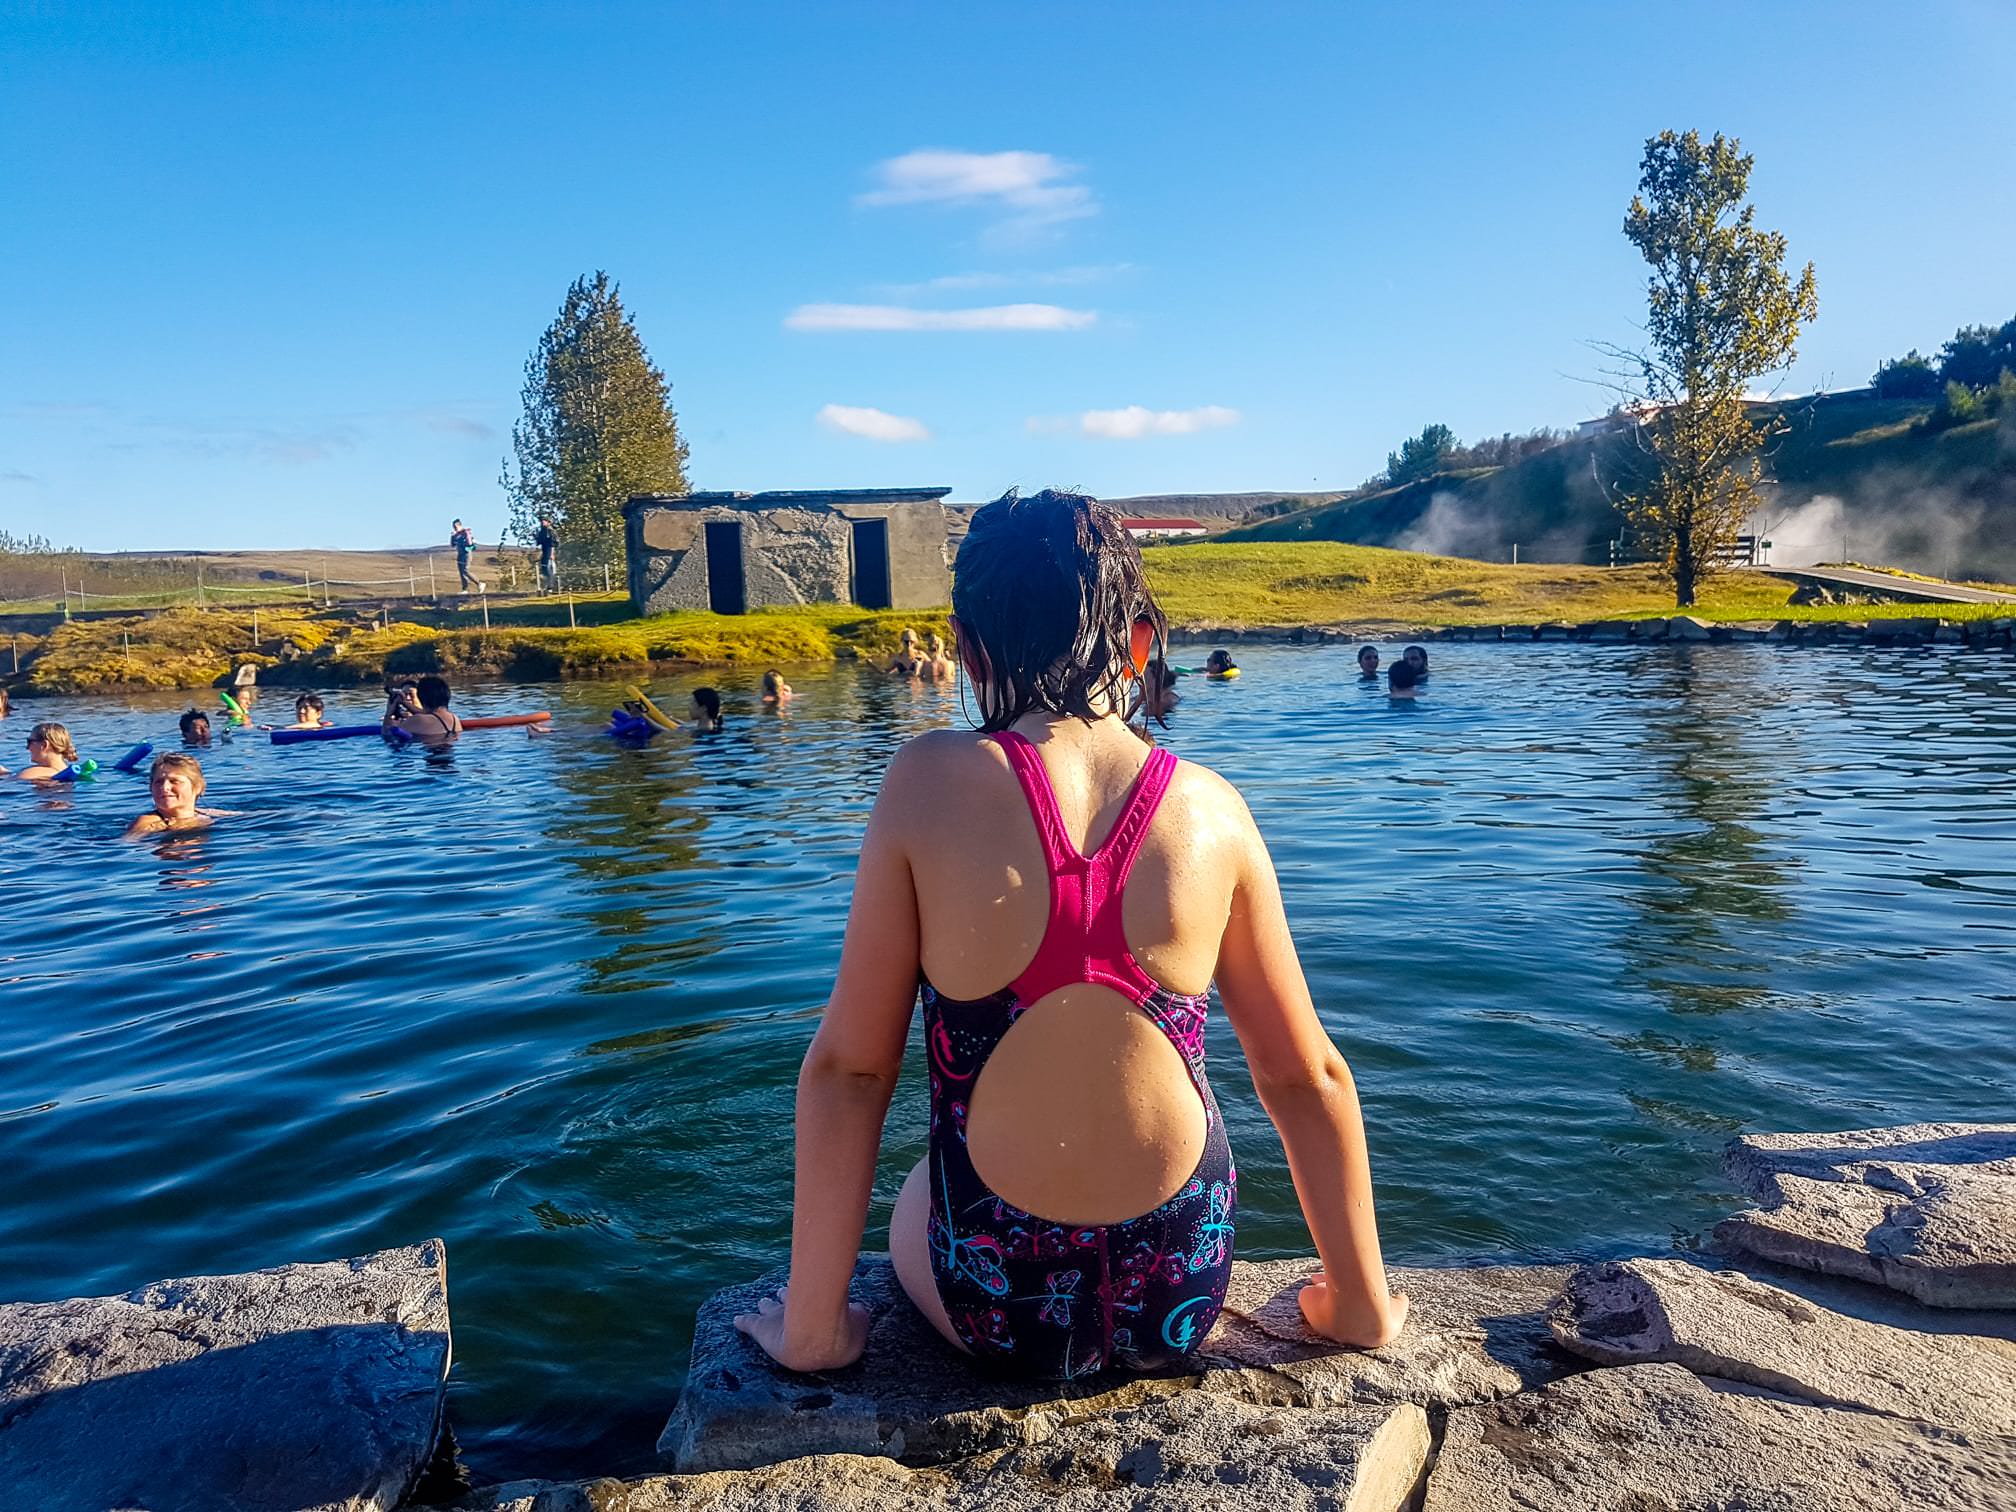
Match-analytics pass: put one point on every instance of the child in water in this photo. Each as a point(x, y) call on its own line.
point(195, 726)
point(706, 711)
point(775, 689)
point(176, 781)
point(1076, 1206)
point(936, 666)
point(50, 750)
point(308, 713)
point(1401, 678)
point(1219, 666)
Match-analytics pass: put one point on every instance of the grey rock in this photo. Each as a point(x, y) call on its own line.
point(1168, 1456)
point(1473, 1334)
point(1728, 1325)
point(1928, 1209)
point(1686, 627)
point(1655, 1438)
point(1611, 631)
point(306, 1386)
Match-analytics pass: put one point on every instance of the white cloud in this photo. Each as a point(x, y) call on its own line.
point(1047, 278)
point(1015, 317)
point(872, 424)
point(1137, 421)
point(1030, 187)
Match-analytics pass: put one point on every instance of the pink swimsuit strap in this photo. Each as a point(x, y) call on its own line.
point(1083, 939)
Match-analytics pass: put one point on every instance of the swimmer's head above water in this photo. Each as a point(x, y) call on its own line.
point(176, 781)
point(1417, 657)
point(1401, 678)
point(195, 727)
point(1368, 661)
point(1051, 609)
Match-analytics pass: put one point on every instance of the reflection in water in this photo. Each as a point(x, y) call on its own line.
point(1714, 886)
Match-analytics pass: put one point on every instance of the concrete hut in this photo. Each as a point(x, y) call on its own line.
point(881, 548)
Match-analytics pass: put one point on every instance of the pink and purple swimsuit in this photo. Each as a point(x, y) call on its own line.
point(1056, 1300)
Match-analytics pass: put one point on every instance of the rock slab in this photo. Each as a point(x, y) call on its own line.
point(1473, 1334)
point(304, 1387)
point(1926, 1209)
point(1174, 1455)
point(1654, 1438)
point(1727, 1325)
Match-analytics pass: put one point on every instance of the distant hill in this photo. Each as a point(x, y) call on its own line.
point(1857, 479)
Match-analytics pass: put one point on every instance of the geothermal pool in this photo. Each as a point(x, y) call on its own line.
point(1576, 917)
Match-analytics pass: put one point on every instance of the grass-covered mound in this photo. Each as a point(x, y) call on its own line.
point(185, 648)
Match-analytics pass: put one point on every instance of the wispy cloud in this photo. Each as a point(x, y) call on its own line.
point(1032, 190)
point(1137, 422)
point(457, 425)
point(1040, 278)
point(1014, 317)
point(19, 477)
point(872, 424)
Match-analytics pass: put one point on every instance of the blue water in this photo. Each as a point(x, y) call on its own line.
point(1576, 917)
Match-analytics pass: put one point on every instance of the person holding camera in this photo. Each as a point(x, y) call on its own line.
point(419, 711)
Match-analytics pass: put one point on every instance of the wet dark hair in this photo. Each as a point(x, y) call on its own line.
point(1402, 674)
point(188, 721)
point(1365, 651)
point(432, 690)
point(309, 701)
point(1417, 651)
point(708, 699)
point(1220, 660)
point(1048, 590)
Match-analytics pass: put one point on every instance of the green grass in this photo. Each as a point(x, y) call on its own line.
point(1235, 584)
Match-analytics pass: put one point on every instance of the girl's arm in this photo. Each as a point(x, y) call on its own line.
point(1308, 1092)
point(844, 1088)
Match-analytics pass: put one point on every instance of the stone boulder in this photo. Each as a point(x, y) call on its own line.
point(1655, 1438)
point(303, 1387)
point(1687, 627)
point(1473, 1334)
point(1174, 1455)
point(1928, 1209)
point(1727, 1325)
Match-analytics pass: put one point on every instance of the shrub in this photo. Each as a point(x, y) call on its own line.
point(1908, 377)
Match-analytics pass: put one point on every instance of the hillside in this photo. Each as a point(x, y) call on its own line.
point(1857, 480)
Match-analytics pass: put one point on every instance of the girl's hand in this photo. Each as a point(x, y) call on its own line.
point(827, 1349)
point(1326, 1312)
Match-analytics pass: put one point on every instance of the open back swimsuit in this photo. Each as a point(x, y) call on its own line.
point(1058, 1300)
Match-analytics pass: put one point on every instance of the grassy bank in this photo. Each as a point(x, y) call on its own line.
point(196, 649)
point(1235, 584)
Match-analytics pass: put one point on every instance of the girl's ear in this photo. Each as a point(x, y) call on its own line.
point(1142, 643)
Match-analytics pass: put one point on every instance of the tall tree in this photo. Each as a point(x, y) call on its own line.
point(1420, 455)
point(1723, 311)
point(598, 427)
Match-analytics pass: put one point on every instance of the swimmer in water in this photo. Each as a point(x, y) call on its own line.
point(775, 689)
point(1368, 664)
point(432, 722)
point(50, 750)
point(1418, 655)
point(906, 662)
point(1401, 678)
point(1219, 664)
point(706, 711)
point(936, 666)
point(176, 781)
point(195, 727)
point(1158, 691)
point(308, 713)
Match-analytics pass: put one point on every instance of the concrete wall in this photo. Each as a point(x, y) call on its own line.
point(789, 555)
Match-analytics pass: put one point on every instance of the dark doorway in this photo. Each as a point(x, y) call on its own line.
point(871, 563)
point(725, 591)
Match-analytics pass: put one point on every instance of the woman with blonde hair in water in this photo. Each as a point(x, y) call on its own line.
point(1060, 896)
point(50, 752)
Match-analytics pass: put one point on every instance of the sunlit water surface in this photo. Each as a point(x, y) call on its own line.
point(1576, 917)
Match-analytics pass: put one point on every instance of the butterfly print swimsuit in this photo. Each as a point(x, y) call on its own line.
point(1058, 1300)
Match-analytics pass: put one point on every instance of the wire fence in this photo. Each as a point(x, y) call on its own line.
point(77, 591)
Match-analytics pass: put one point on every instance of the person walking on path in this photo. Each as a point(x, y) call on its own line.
point(547, 539)
point(464, 541)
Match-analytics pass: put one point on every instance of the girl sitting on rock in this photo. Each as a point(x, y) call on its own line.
point(1060, 895)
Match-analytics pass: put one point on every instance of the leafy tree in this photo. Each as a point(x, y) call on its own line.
point(1722, 312)
point(1420, 456)
point(1908, 377)
point(598, 427)
point(1977, 355)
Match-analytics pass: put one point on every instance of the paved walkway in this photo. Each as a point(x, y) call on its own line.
point(1890, 583)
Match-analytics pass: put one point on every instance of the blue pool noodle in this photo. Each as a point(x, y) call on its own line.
point(134, 757)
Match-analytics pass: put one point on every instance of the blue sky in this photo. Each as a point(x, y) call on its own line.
point(270, 273)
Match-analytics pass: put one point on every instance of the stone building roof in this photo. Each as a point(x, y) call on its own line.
point(785, 498)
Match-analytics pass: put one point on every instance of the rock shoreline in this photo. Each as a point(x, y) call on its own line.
point(1921, 630)
point(1806, 1381)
